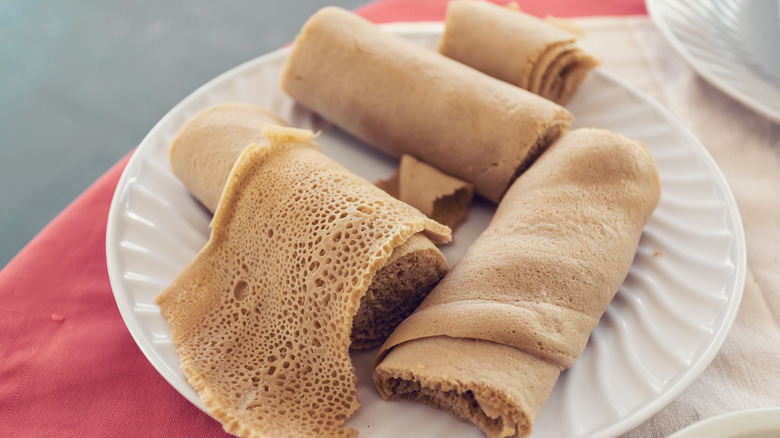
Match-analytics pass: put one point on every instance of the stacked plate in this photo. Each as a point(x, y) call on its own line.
point(734, 44)
point(754, 423)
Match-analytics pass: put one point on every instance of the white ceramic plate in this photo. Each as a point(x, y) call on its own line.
point(754, 423)
point(663, 328)
point(734, 44)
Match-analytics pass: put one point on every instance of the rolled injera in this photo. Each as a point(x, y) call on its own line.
point(262, 316)
point(403, 98)
point(515, 47)
point(206, 148)
point(489, 342)
point(208, 144)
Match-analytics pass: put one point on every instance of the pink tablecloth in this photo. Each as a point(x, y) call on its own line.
point(69, 367)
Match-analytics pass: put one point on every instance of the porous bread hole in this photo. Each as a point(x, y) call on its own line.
point(365, 209)
point(461, 405)
point(240, 290)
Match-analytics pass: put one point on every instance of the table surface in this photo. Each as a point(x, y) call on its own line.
point(97, 76)
point(84, 81)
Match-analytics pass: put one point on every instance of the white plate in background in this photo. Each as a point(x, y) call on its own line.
point(661, 331)
point(734, 44)
point(753, 423)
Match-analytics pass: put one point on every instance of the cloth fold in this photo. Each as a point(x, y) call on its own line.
point(746, 147)
point(69, 367)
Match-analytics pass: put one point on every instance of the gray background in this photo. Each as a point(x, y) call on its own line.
point(83, 81)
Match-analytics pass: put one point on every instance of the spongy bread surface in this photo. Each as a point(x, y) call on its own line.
point(474, 28)
point(202, 154)
point(401, 98)
point(473, 379)
point(208, 144)
point(544, 58)
point(539, 278)
point(556, 251)
point(262, 316)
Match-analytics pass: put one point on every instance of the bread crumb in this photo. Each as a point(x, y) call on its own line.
point(439, 196)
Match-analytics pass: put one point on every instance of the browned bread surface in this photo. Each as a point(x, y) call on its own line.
point(262, 316)
point(534, 54)
point(202, 154)
point(537, 280)
point(401, 98)
point(412, 270)
point(439, 196)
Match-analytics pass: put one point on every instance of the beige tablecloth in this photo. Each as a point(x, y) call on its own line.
point(746, 372)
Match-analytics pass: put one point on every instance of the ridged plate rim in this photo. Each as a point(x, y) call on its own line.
point(731, 73)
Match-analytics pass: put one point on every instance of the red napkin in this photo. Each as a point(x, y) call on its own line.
point(385, 11)
point(68, 365)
